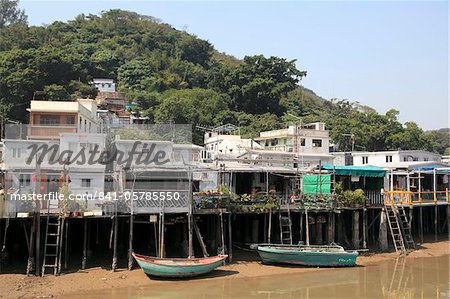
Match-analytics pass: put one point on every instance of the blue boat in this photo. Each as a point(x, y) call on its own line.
point(306, 255)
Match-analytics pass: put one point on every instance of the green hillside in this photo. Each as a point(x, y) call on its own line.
point(176, 77)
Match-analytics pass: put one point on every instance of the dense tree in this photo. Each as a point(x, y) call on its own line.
point(172, 76)
point(10, 13)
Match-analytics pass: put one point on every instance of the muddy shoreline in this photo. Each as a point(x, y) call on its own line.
point(97, 279)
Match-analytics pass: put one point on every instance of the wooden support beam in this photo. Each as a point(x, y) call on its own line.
point(230, 240)
point(85, 233)
point(200, 239)
point(66, 244)
point(382, 234)
point(355, 230)
point(130, 244)
point(190, 238)
point(307, 226)
point(365, 230)
point(161, 236)
point(30, 262)
point(301, 226)
point(255, 230)
point(436, 220)
point(222, 233)
point(61, 236)
point(115, 227)
point(421, 224)
point(330, 227)
point(269, 229)
point(448, 221)
point(38, 242)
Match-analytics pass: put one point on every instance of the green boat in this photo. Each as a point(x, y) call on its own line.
point(306, 255)
point(178, 267)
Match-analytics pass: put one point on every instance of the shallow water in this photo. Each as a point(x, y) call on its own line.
point(402, 278)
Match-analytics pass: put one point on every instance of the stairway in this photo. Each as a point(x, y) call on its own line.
point(406, 228)
point(400, 228)
point(394, 226)
point(285, 227)
point(52, 247)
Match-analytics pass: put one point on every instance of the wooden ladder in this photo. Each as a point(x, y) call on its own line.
point(405, 225)
point(52, 247)
point(394, 226)
point(285, 227)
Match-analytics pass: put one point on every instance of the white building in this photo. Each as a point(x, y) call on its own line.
point(104, 85)
point(68, 133)
point(311, 138)
point(221, 145)
point(384, 158)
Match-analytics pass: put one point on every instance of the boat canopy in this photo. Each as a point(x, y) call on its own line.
point(367, 171)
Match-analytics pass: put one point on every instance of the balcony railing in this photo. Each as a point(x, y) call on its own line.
point(374, 197)
point(416, 198)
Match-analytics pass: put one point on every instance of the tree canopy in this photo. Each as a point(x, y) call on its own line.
point(173, 76)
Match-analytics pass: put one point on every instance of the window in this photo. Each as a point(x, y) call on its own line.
point(262, 178)
point(317, 142)
point(25, 180)
point(49, 120)
point(365, 160)
point(388, 159)
point(86, 183)
point(16, 152)
point(302, 141)
point(70, 120)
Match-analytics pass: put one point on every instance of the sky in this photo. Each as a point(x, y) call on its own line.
point(382, 54)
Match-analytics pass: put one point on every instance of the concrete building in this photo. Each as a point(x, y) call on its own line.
point(310, 143)
point(384, 158)
point(104, 85)
point(50, 118)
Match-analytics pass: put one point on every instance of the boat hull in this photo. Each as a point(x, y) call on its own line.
point(178, 268)
point(307, 257)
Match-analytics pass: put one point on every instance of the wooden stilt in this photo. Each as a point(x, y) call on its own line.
point(448, 221)
point(331, 227)
point(190, 240)
point(130, 244)
point(222, 234)
point(436, 220)
point(156, 238)
point(1, 244)
point(382, 235)
point(66, 244)
point(85, 233)
point(364, 232)
point(307, 227)
point(355, 231)
point(230, 240)
point(265, 228)
point(31, 247)
point(38, 242)
point(200, 239)
point(269, 229)
point(61, 236)
point(301, 227)
point(255, 230)
point(190, 217)
point(161, 237)
point(116, 227)
point(421, 224)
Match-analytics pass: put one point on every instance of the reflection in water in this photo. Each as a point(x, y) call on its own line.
point(402, 278)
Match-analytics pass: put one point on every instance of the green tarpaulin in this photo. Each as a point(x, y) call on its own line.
point(369, 171)
point(313, 184)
